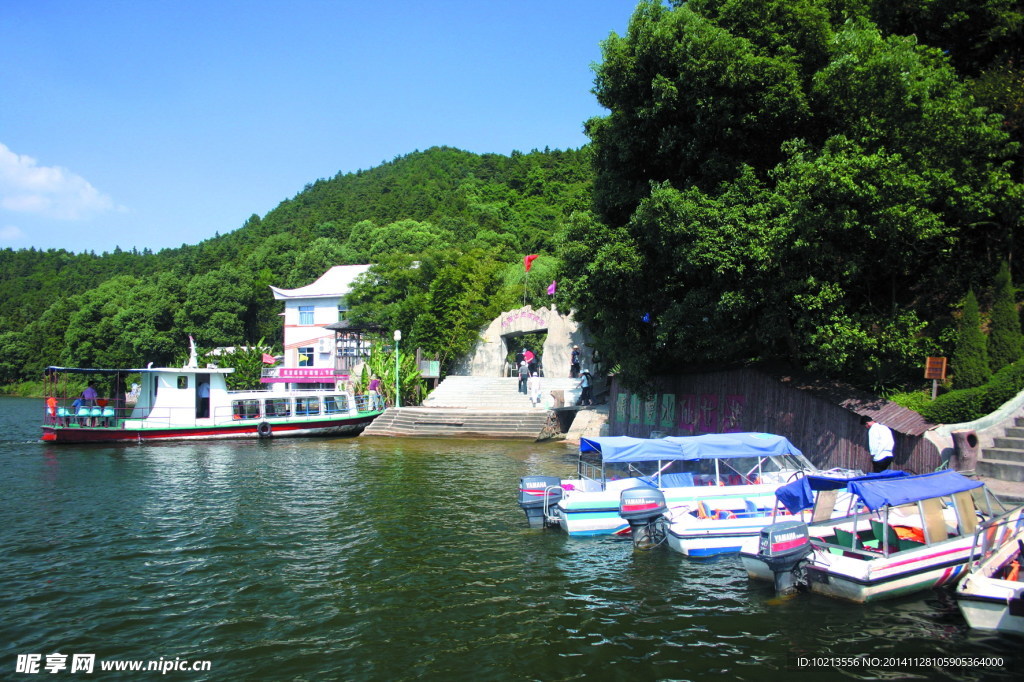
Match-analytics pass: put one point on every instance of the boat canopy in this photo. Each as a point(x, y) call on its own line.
point(798, 495)
point(727, 445)
point(877, 494)
point(630, 449)
point(708, 446)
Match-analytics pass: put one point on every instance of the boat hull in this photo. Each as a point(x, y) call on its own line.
point(992, 604)
point(860, 580)
point(988, 598)
point(348, 425)
point(710, 538)
point(598, 513)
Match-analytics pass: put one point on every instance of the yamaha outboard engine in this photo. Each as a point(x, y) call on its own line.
point(782, 547)
point(644, 508)
point(536, 494)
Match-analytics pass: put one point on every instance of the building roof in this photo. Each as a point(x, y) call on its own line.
point(335, 282)
point(896, 417)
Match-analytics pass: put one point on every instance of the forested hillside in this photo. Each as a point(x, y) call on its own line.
point(820, 181)
point(469, 217)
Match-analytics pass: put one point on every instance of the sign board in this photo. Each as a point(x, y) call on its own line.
point(935, 368)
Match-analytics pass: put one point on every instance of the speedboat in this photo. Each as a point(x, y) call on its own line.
point(726, 472)
point(904, 535)
point(176, 403)
point(991, 595)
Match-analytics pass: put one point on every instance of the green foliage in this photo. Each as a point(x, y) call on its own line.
point(783, 179)
point(969, 404)
point(1004, 337)
point(382, 364)
point(130, 308)
point(247, 363)
point(970, 359)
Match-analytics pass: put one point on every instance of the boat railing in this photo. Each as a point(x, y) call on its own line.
point(993, 534)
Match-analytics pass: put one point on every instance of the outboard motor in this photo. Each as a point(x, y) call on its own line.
point(536, 494)
point(782, 547)
point(644, 508)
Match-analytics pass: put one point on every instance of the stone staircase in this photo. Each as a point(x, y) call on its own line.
point(1005, 459)
point(475, 407)
point(490, 393)
point(428, 422)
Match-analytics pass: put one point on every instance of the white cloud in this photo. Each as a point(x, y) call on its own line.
point(49, 191)
point(11, 233)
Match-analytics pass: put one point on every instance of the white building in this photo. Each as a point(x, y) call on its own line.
point(311, 349)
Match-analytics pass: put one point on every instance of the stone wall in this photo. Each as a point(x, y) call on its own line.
point(499, 337)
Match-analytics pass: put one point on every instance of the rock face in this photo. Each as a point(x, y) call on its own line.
point(499, 338)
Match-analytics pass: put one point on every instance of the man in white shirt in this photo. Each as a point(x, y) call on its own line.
point(880, 444)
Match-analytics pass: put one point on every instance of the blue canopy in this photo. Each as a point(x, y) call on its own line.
point(799, 494)
point(709, 446)
point(629, 449)
point(876, 494)
point(725, 445)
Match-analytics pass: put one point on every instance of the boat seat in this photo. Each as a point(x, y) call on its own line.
point(847, 538)
point(706, 512)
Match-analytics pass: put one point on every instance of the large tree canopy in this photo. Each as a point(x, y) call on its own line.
point(782, 179)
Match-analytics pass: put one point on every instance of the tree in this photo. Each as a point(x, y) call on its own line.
point(762, 201)
point(1004, 336)
point(970, 359)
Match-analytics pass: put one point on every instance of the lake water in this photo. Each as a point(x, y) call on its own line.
point(390, 559)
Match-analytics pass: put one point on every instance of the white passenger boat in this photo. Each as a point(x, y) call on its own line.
point(175, 403)
point(991, 595)
point(726, 472)
point(915, 533)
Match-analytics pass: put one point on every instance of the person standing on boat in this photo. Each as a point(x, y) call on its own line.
point(880, 444)
point(203, 389)
point(89, 396)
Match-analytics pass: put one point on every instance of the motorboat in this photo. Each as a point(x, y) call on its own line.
point(904, 535)
point(725, 472)
point(697, 530)
point(991, 595)
point(176, 403)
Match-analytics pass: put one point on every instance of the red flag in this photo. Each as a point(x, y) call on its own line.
point(551, 289)
point(269, 359)
point(528, 261)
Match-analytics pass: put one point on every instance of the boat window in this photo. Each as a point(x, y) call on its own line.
point(277, 407)
point(306, 406)
point(245, 409)
point(183, 382)
point(334, 404)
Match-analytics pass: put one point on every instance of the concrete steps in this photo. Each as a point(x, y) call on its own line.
point(490, 393)
point(1004, 461)
point(432, 422)
point(476, 407)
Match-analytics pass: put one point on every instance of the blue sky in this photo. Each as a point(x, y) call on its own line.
point(149, 124)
